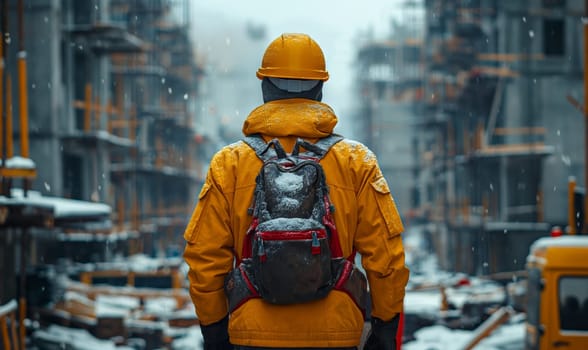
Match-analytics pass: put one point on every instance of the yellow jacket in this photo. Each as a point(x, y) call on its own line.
point(365, 216)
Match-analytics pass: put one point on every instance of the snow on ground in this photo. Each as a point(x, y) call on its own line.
point(507, 337)
point(423, 297)
point(112, 306)
point(77, 339)
point(192, 340)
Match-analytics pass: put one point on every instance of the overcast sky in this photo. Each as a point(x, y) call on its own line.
point(219, 29)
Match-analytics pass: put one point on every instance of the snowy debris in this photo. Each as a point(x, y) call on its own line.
point(71, 338)
point(423, 302)
point(8, 307)
point(443, 309)
point(116, 305)
point(18, 162)
point(162, 307)
point(507, 337)
point(190, 341)
point(96, 237)
point(62, 207)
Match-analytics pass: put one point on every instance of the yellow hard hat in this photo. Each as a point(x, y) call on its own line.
point(293, 56)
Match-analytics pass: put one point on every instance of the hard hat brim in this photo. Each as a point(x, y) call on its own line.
point(291, 74)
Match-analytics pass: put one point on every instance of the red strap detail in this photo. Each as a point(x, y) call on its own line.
point(262, 258)
point(249, 284)
point(400, 331)
point(344, 276)
point(339, 285)
point(254, 293)
point(328, 221)
point(351, 257)
point(291, 235)
point(247, 247)
point(315, 250)
point(244, 301)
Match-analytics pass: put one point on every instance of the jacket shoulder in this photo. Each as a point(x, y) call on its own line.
point(355, 151)
point(233, 161)
point(233, 150)
point(350, 143)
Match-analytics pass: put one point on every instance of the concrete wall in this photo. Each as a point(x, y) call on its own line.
point(539, 97)
point(42, 39)
point(486, 252)
point(8, 263)
point(394, 131)
point(565, 131)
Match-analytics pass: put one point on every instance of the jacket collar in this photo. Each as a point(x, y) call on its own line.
point(291, 117)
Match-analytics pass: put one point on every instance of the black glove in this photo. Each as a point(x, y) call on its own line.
point(216, 335)
point(382, 336)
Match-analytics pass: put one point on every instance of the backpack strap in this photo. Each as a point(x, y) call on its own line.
point(320, 148)
point(265, 152)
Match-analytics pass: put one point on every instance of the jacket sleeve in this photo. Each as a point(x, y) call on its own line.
point(209, 248)
point(378, 239)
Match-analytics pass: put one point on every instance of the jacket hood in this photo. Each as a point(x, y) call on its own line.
point(291, 117)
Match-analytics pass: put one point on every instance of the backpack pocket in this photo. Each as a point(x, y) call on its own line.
point(387, 207)
point(193, 229)
point(239, 285)
point(353, 282)
point(292, 266)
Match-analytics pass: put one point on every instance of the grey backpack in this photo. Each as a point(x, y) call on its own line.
point(291, 252)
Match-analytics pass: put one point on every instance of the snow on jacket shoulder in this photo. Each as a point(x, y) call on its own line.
point(365, 216)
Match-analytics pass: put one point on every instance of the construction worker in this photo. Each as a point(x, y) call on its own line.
point(292, 74)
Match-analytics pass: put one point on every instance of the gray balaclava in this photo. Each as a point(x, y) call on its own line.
point(280, 89)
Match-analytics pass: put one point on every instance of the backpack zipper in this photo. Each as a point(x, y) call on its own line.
point(316, 245)
point(314, 236)
point(291, 235)
point(261, 251)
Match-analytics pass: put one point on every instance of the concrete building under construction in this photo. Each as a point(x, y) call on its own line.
point(389, 83)
point(499, 74)
point(101, 157)
point(112, 120)
point(497, 136)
